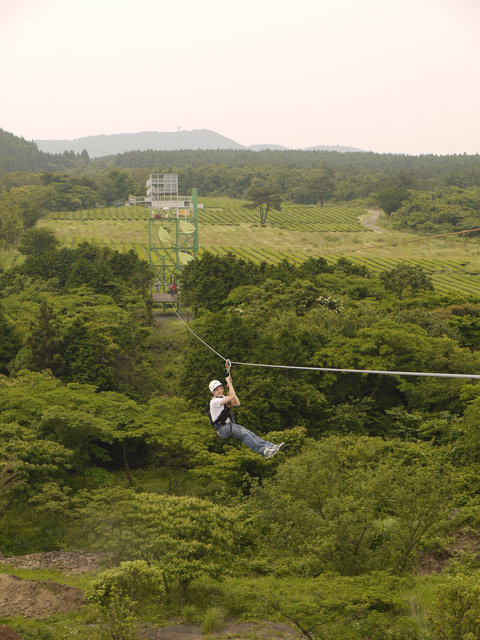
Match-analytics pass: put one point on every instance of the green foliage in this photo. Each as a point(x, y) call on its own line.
point(392, 199)
point(184, 537)
point(96, 333)
point(319, 186)
point(18, 154)
point(465, 320)
point(11, 223)
point(456, 610)
point(290, 322)
point(353, 505)
point(442, 211)
point(135, 581)
point(212, 620)
point(10, 479)
point(207, 282)
point(320, 529)
point(44, 342)
point(74, 417)
point(38, 241)
point(34, 202)
point(386, 345)
point(327, 607)
point(9, 344)
point(116, 184)
point(37, 460)
point(231, 469)
point(264, 198)
point(102, 269)
point(33, 498)
point(468, 433)
point(405, 277)
point(356, 175)
point(189, 614)
point(118, 619)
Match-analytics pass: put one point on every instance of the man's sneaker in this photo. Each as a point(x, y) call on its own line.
point(268, 452)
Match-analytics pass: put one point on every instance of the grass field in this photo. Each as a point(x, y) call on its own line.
point(294, 233)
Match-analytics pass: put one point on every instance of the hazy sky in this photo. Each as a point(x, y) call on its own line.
point(399, 76)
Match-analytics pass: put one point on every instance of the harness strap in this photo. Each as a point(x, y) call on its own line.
point(222, 418)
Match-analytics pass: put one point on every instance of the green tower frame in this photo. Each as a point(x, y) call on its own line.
point(173, 239)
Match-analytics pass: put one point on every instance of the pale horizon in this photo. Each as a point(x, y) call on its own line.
point(397, 77)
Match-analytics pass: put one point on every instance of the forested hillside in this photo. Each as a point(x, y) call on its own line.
point(355, 175)
point(17, 154)
point(105, 444)
point(303, 176)
point(344, 176)
point(365, 525)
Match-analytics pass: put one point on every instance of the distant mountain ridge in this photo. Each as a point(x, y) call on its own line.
point(113, 144)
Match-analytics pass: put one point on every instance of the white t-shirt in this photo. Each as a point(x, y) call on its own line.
point(216, 408)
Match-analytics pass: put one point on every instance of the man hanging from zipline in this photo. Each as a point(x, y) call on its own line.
point(222, 419)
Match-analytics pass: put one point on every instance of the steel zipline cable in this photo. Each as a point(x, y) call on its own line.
point(424, 374)
point(437, 235)
point(197, 336)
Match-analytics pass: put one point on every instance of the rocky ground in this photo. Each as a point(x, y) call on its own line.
point(66, 561)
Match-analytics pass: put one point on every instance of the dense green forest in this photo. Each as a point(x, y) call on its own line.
point(105, 444)
point(18, 154)
point(298, 175)
point(364, 526)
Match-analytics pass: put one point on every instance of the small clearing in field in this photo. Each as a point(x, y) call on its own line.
point(370, 221)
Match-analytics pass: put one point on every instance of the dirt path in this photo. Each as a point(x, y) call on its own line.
point(370, 220)
point(232, 629)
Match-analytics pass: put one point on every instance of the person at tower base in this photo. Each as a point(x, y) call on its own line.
point(226, 427)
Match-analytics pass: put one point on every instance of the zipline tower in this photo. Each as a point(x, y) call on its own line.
point(172, 228)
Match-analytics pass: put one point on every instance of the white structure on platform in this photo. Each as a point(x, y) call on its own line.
point(162, 193)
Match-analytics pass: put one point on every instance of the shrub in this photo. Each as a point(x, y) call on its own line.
point(212, 620)
point(189, 614)
point(134, 581)
point(456, 611)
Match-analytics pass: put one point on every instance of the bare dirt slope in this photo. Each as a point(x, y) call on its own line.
point(39, 599)
point(6, 633)
point(31, 599)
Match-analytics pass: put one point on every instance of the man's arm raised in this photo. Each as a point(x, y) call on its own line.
point(231, 396)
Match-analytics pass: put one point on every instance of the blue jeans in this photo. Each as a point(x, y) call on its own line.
point(253, 442)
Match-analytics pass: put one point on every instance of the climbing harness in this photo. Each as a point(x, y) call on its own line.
point(227, 412)
point(222, 418)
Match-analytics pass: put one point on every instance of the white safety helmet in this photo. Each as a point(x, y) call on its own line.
point(214, 384)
